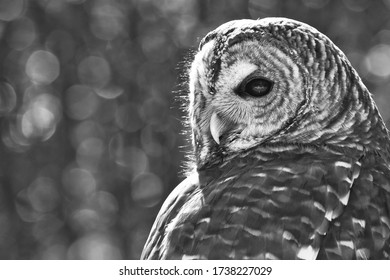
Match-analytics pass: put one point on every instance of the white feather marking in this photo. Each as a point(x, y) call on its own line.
point(306, 220)
point(227, 241)
point(344, 199)
point(328, 215)
point(279, 189)
point(259, 175)
point(261, 212)
point(274, 203)
point(302, 191)
point(191, 257)
point(361, 222)
point(319, 206)
point(235, 209)
point(386, 186)
point(232, 254)
point(337, 212)
point(362, 254)
point(204, 220)
point(269, 256)
point(240, 145)
point(360, 147)
point(386, 221)
point(343, 164)
point(308, 253)
point(323, 228)
point(253, 232)
point(289, 236)
point(355, 174)
point(329, 189)
point(346, 243)
point(227, 179)
point(285, 169)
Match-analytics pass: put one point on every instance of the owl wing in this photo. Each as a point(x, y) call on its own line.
point(270, 205)
point(363, 229)
point(156, 245)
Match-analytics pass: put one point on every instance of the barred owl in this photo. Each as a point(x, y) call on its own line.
point(291, 154)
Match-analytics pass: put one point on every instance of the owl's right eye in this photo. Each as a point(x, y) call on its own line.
point(255, 86)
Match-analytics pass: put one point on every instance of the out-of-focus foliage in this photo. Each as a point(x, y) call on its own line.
point(90, 129)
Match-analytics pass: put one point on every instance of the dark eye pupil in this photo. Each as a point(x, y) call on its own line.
point(258, 87)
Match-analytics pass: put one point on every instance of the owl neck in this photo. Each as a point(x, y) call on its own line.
point(357, 125)
point(357, 122)
point(348, 117)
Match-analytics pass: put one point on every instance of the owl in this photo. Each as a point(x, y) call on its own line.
point(290, 152)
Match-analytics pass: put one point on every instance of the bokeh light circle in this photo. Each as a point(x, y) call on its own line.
point(81, 102)
point(38, 122)
point(7, 98)
point(42, 67)
point(147, 189)
point(43, 194)
point(94, 71)
point(78, 182)
point(107, 21)
point(22, 34)
point(11, 9)
point(377, 61)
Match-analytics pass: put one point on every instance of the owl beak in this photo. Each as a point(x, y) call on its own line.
point(216, 127)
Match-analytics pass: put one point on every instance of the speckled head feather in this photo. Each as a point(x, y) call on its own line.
point(317, 97)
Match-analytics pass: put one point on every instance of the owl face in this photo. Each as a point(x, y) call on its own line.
point(271, 81)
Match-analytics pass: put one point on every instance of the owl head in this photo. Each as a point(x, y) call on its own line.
point(275, 82)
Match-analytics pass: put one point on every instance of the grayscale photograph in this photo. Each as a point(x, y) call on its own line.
point(195, 130)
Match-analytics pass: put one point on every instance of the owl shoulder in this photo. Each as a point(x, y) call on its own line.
point(173, 204)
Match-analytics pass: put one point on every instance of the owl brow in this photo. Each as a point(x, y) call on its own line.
point(232, 35)
point(224, 41)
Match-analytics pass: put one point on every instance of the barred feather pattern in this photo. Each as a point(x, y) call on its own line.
point(300, 173)
point(298, 203)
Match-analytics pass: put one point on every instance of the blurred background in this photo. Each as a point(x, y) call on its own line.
point(91, 137)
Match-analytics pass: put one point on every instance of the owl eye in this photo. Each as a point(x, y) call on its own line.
point(255, 87)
